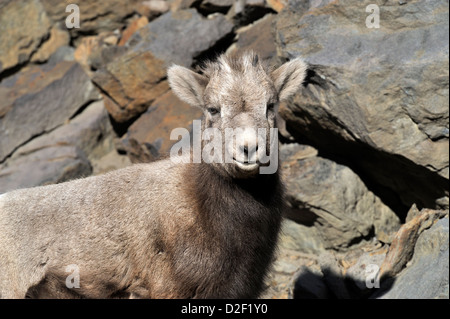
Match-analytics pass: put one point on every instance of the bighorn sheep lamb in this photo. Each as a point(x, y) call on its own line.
point(164, 229)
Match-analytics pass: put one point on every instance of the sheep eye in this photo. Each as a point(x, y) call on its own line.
point(213, 110)
point(271, 106)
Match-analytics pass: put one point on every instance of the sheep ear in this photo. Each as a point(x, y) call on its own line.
point(187, 85)
point(289, 77)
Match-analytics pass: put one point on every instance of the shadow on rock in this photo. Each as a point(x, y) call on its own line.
point(328, 284)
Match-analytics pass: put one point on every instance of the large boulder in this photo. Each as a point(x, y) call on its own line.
point(427, 273)
point(413, 266)
point(336, 200)
point(153, 128)
point(377, 97)
point(62, 154)
point(135, 78)
point(23, 27)
point(257, 37)
point(53, 164)
point(40, 98)
point(58, 37)
point(95, 16)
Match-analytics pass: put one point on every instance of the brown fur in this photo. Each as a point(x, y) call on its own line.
point(240, 219)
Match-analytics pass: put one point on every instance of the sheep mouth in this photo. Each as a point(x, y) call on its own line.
point(246, 166)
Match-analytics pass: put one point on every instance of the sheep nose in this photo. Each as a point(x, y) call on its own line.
point(245, 145)
point(249, 151)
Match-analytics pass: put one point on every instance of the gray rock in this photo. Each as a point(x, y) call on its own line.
point(86, 131)
point(344, 275)
point(50, 165)
point(63, 53)
point(427, 275)
point(38, 99)
point(403, 244)
point(308, 283)
point(134, 78)
point(289, 263)
point(176, 5)
point(375, 96)
point(23, 27)
point(109, 162)
point(216, 5)
point(58, 37)
point(244, 12)
point(301, 238)
point(257, 37)
point(342, 208)
point(179, 37)
point(153, 8)
point(333, 275)
point(151, 131)
point(363, 275)
point(62, 154)
point(95, 16)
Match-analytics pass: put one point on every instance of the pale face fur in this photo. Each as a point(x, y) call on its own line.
point(239, 93)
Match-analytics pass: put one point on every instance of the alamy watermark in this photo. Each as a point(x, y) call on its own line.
point(73, 279)
point(372, 276)
point(73, 19)
point(373, 19)
point(221, 147)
